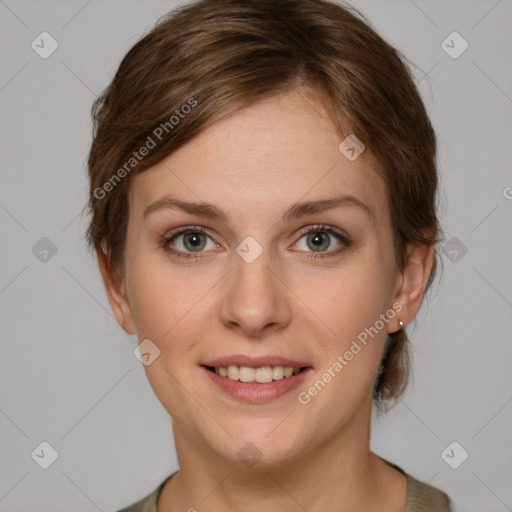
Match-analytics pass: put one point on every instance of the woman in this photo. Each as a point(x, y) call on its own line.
point(262, 190)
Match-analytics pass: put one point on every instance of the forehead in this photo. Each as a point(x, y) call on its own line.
point(262, 158)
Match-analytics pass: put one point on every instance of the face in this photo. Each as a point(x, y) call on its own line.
point(264, 281)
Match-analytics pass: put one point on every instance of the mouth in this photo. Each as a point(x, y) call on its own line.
point(261, 374)
point(256, 385)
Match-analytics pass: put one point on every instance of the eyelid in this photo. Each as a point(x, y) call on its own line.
point(171, 235)
point(345, 240)
point(321, 227)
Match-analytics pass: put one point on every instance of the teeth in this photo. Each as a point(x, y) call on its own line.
point(233, 372)
point(261, 375)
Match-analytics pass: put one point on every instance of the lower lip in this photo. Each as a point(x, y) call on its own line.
point(255, 392)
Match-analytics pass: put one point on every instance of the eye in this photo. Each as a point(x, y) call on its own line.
point(189, 238)
point(320, 238)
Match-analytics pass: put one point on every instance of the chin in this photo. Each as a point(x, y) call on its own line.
point(263, 446)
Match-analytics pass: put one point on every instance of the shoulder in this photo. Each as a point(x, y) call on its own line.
point(422, 497)
point(149, 502)
point(146, 504)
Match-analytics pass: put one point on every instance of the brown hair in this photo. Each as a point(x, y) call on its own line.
point(216, 56)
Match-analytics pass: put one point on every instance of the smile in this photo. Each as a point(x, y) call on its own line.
point(262, 375)
point(240, 382)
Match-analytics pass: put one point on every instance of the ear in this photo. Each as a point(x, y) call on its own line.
point(412, 283)
point(116, 292)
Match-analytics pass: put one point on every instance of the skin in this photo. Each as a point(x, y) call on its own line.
point(253, 164)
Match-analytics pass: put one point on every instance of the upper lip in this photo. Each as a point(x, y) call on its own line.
point(254, 362)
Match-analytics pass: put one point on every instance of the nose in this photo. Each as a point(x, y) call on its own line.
point(255, 299)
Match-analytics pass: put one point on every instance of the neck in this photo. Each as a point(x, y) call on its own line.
point(340, 474)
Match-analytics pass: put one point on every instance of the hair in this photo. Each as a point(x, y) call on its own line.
point(209, 58)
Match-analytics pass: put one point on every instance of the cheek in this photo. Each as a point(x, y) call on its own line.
point(170, 306)
point(166, 306)
point(353, 348)
point(156, 297)
point(349, 299)
point(350, 303)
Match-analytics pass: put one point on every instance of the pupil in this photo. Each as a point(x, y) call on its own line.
point(194, 240)
point(318, 239)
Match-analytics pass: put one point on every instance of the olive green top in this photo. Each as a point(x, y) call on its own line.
point(421, 497)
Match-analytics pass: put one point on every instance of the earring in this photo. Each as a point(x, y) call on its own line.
point(400, 324)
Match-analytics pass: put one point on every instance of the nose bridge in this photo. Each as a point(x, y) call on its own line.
point(251, 266)
point(254, 297)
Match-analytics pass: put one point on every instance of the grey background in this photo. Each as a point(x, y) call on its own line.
point(67, 372)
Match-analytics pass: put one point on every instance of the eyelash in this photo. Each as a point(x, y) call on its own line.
point(166, 240)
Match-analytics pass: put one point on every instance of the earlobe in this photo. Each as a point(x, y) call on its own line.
point(414, 278)
point(116, 292)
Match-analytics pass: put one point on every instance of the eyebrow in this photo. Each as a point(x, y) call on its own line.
point(297, 210)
